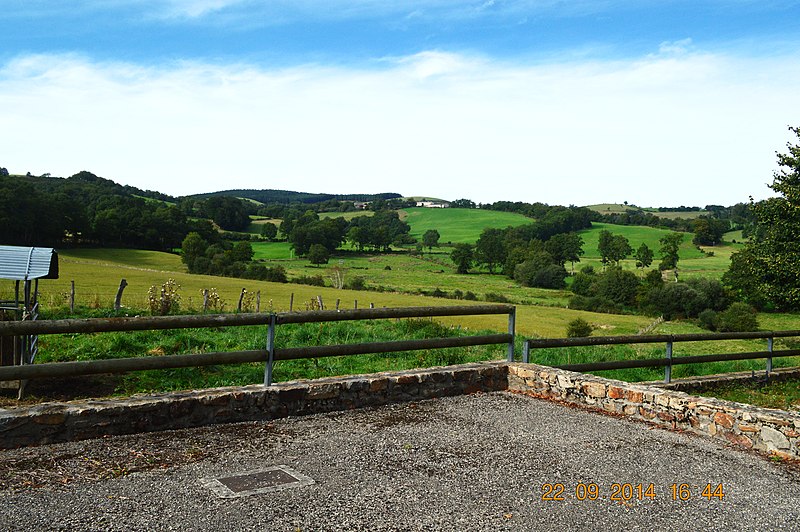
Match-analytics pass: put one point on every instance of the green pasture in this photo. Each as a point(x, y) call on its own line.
point(97, 274)
point(621, 208)
point(392, 280)
point(458, 225)
point(709, 262)
point(677, 215)
point(610, 208)
point(154, 200)
point(272, 250)
point(636, 235)
point(346, 215)
point(257, 222)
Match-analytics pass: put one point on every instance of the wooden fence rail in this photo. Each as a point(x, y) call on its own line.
point(268, 355)
point(669, 340)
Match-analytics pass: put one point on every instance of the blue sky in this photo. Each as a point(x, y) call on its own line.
point(579, 102)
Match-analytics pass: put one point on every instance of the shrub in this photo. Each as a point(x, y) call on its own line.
point(357, 283)
point(312, 280)
point(618, 285)
point(493, 297)
point(585, 284)
point(276, 274)
point(708, 319)
point(579, 328)
point(551, 276)
point(712, 292)
point(594, 304)
point(539, 271)
point(470, 296)
point(673, 301)
point(739, 317)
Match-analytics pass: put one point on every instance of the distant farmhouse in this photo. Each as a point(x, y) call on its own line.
point(433, 204)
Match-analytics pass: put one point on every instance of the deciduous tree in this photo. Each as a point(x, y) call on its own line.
point(318, 254)
point(766, 272)
point(463, 257)
point(670, 246)
point(643, 256)
point(613, 248)
point(490, 249)
point(430, 239)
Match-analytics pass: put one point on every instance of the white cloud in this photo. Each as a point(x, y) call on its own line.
point(197, 8)
point(676, 47)
point(663, 130)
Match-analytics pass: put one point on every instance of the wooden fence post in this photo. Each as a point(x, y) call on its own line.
point(118, 300)
point(241, 297)
point(72, 298)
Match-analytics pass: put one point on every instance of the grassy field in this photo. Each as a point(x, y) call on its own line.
point(346, 215)
point(257, 223)
point(97, 273)
point(458, 225)
point(677, 215)
point(621, 208)
point(272, 250)
point(693, 262)
point(636, 235)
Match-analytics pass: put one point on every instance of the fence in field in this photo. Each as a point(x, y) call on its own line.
point(29, 330)
point(269, 355)
point(669, 340)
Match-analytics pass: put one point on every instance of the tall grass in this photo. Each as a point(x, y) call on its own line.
point(59, 348)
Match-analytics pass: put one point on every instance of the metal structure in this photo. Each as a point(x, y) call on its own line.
point(269, 355)
point(668, 340)
point(25, 266)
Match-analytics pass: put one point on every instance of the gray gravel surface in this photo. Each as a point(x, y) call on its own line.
point(475, 462)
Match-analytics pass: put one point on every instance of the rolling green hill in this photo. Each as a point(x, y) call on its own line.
point(636, 235)
point(289, 196)
point(458, 225)
point(619, 208)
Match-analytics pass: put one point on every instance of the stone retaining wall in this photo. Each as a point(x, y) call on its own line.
point(769, 431)
point(77, 420)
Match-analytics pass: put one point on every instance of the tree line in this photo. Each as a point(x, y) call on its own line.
point(533, 254)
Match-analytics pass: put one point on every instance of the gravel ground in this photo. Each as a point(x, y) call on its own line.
point(475, 462)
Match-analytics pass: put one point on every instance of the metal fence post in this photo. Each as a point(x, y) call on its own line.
point(270, 350)
point(668, 367)
point(512, 319)
point(526, 351)
point(770, 342)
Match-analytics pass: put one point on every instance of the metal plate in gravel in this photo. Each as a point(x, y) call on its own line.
point(257, 482)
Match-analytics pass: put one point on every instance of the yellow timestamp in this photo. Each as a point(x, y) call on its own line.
point(626, 491)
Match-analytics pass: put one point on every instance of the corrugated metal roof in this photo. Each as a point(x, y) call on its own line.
point(23, 264)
